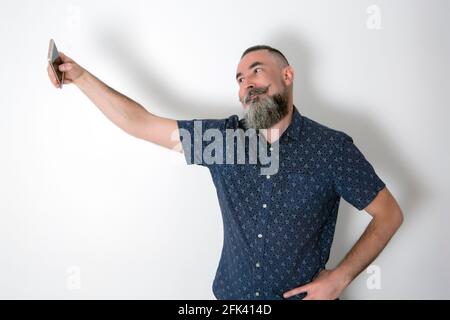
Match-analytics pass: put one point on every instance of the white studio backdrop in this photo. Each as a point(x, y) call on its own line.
point(87, 211)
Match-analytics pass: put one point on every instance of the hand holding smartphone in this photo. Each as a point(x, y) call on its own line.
point(54, 59)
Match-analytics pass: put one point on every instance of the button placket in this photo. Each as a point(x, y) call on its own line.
point(260, 231)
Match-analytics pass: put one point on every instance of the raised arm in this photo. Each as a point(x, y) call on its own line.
point(127, 114)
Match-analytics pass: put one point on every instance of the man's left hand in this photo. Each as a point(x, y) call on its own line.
point(328, 285)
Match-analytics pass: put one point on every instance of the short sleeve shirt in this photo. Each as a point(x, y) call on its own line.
point(278, 228)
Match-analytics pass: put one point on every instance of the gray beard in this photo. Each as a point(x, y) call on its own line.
point(265, 111)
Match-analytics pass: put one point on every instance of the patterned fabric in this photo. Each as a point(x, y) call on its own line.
point(278, 229)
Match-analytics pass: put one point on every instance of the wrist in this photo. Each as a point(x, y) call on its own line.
point(342, 277)
point(82, 78)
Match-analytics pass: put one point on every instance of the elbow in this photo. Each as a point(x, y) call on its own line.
point(398, 218)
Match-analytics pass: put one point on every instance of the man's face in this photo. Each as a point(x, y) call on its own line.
point(262, 92)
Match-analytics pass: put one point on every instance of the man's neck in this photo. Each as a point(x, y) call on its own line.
point(273, 133)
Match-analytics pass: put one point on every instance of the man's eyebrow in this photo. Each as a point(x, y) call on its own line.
point(254, 64)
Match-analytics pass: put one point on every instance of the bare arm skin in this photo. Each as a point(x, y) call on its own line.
point(127, 114)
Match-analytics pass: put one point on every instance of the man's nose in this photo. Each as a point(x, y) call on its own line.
point(247, 83)
point(247, 91)
point(249, 87)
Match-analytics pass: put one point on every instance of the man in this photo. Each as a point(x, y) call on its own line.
point(278, 227)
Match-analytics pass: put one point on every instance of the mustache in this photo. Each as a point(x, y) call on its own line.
point(255, 91)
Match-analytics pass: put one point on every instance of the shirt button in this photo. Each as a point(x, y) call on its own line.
point(271, 148)
point(260, 235)
point(264, 205)
point(257, 293)
point(268, 177)
point(257, 265)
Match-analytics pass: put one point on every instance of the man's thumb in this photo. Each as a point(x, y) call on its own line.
point(65, 66)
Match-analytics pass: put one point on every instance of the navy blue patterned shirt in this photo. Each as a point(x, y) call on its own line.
point(278, 228)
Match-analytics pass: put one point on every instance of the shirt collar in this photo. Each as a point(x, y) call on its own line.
point(294, 129)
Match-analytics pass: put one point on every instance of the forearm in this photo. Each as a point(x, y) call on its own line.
point(121, 110)
point(367, 248)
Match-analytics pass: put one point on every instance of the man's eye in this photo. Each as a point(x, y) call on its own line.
point(240, 79)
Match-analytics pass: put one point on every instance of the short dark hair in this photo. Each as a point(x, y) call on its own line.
point(274, 51)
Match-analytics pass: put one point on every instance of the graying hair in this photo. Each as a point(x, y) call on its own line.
point(277, 53)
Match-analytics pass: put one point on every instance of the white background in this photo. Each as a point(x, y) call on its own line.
point(87, 211)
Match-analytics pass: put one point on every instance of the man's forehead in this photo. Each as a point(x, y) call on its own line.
point(262, 56)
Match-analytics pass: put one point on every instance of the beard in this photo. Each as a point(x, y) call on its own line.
point(264, 111)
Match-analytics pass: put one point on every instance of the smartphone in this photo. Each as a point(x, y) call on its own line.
point(55, 60)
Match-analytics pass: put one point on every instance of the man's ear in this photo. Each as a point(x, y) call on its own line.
point(288, 75)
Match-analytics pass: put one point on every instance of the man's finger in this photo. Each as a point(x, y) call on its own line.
point(64, 57)
point(308, 297)
point(295, 291)
point(65, 67)
point(52, 76)
point(50, 73)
